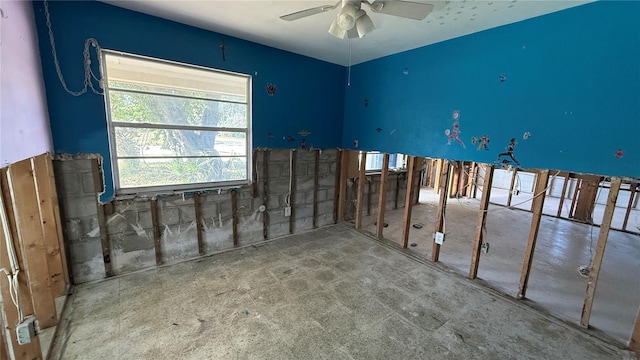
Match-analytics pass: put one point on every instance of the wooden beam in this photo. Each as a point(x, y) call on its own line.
point(513, 182)
point(8, 310)
point(336, 192)
point(316, 168)
point(454, 178)
point(476, 173)
point(344, 173)
point(538, 204)
point(49, 226)
point(482, 221)
point(442, 208)
point(234, 223)
point(408, 203)
point(265, 193)
point(563, 194)
point(634, 342)
point(254, 182)
point(632, 189)
point(56, 214)
point(156, 231)
point(197, 204)
point(417, 182)
point(292, 194)
point(369, 194)
point(470, 177)
point(24, 199)
point(436, 180)
point(362, 178)
point(575, 197)
point(596, 262)
point(104, 240)
point(382, 197)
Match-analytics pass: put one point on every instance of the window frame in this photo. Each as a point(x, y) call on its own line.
point(391, 168)
point(175, 188)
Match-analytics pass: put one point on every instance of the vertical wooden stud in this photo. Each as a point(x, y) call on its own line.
point(197, 204)
point(265, 193)
point(513, 182)
point(575, 197)
point(234, 210)
point(442, 208)
point(56, 213)
point(436, 184)
point(470, 177)
point(362, 178)
point(634, 342)
point(382, 197)
point(344, 172)
point(396, 191)
point(482, 221)
point(408, 203)
point(419, 172)
point(563, 194)
point(596, 262)
point(539, 194)
point(454, 175)
point(369, 194)
point(30, 237)
point(632, 189)
point(336, 192)
point(292, 195)
point(316, 168)
point(156, 231)
point(254, 182)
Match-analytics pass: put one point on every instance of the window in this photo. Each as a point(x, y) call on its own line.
point(374, 161)
point(176, 126)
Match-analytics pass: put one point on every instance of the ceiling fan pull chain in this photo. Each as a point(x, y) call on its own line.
point(349, 69)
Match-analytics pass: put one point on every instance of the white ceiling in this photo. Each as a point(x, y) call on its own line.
point(258, 21)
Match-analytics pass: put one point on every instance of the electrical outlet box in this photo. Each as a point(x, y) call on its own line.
point(287, 211)
point(26, 330)
point(439, 238)
point(515, 192)
point(484, 248)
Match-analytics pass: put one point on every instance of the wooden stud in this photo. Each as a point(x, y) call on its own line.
point(417, 182)
point(265, 193)
point(454, 175)
point(316, 168)
point(442, 209)
point(575, 197)
point(292, 195)
point(538, 204)
point(382, 197)
point(336, 192)
point(49, 226)
point(634, 342)
point(104, 240)
point(197, 204)
point(396, 192)
point(254, 182)
point(8, 312)
point(369, 194)
point(362, 178)
point(436, 180)
point(476, 176)
point(513, 182)
point(632, 189)
point(596, 262)
point(433, 170)
point(156, 231)
point(408, 203)
point(587, 198)
point(470, 177)
point(563, 194)
point(344, 172)
point(482, 221)
point(234, 211)
point(56, 213)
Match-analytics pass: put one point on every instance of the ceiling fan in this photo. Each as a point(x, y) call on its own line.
point(352, 21)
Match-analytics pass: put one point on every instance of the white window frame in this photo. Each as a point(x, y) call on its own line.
point(176, 188)
point(370, 155)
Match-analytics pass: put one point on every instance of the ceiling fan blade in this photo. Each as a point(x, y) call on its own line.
point(405, 9)
point(308, 12)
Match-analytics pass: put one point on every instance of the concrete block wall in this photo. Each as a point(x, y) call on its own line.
point(129, 224)
point(78, 198)
point(394, 180)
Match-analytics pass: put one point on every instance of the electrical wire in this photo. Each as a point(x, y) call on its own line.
point(88, 72)
point(12, 277)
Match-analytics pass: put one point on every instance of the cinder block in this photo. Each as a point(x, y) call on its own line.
point(273, 202)
point(69, 183)
point(169, 216)
point(77, 207)
point(145, 220)
point(303, 211)
point(75, 165)
point(304, 183)
point(85, 250)
point(209, 209)
point(325, 207)
point(132, 242)
point(279, 186)
point(187, 213)
point(275, 170)
point(279, 155)
point(88, 183)
point(327, 181)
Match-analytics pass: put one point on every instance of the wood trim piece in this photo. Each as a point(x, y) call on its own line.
point(538, 204)
point(442, 208)
point(470, 177)
point(197, 204)
point(265, 193)
point(292, 195)
point(156, 231)
point(482, 221)
point(596, 262)
point(408, 203)
point(254, 182)
point(513, 182)
point(436, 180)
point(234, 223)
point(632, 189)
point(336, 192)
point(382, 197)
point(575, 198)
point(362, 178)
point(56, 213)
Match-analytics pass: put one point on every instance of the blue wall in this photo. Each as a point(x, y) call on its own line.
point(310, 93)
point(572, 79)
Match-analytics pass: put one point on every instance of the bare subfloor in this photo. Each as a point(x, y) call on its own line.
point(555, 283)
point(328, 294)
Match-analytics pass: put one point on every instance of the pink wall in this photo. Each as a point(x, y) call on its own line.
point(24, 120)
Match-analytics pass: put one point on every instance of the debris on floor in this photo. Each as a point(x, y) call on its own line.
point(417, 226)
point(245, 312)
point(584, 270)
point(383, 224)
point(413, 245)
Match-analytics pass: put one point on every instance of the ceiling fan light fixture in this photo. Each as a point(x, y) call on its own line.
point(364, 25)
point(347, 17)
point(336, 30)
